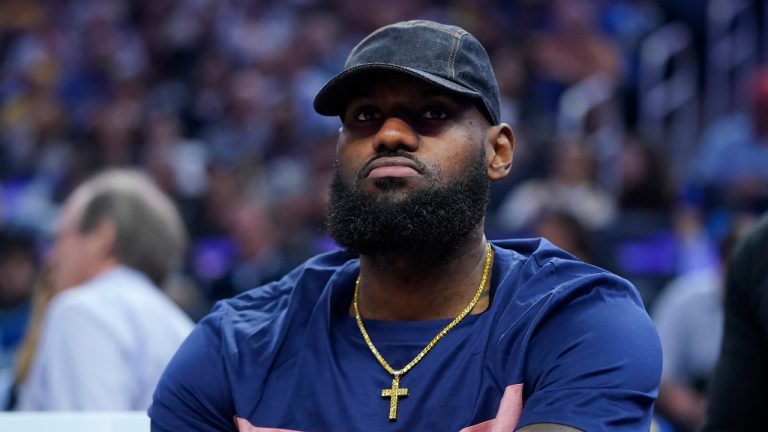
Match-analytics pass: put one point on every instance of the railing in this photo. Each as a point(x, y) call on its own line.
point(579, 100)
point(669, 103)
point(589, 109)
point(732, 49)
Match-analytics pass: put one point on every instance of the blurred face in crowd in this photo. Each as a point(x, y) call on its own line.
point(77, 256)
point(17, 271)
point(573, 163)
point(412, 170)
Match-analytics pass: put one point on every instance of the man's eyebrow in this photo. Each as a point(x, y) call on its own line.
point(360, 94)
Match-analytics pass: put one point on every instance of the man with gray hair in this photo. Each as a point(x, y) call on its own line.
point(109, 330)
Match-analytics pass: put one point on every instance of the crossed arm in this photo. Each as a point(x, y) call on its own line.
point(548, 427)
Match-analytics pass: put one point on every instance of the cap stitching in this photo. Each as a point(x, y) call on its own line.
point(452, 57)
point(455, 33)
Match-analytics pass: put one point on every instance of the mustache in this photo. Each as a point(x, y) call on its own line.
point(421, 166)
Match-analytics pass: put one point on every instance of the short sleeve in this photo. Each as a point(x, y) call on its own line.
point(594, 363)
point(193, 393)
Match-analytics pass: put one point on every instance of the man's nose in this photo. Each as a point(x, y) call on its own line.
point(395, 134)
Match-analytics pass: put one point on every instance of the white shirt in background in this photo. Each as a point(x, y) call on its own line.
point(104, 345)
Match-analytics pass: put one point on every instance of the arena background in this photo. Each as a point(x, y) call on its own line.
point(639, 146)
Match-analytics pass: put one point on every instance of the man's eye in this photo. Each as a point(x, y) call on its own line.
point(366, 115)
point(435, 113)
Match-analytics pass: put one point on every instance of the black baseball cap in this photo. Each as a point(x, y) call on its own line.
point(443, 55)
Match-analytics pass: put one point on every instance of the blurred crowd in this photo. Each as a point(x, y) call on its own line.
point(213, 99)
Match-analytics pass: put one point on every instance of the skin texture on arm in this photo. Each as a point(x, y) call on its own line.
point(682, 404)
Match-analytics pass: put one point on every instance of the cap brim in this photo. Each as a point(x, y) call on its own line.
point(333, 97)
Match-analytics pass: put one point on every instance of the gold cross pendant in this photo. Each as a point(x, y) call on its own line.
point(394, 394)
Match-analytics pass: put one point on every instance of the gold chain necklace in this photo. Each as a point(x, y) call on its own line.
point(395, 392)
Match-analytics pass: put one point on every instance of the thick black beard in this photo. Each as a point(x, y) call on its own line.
point(428, 226)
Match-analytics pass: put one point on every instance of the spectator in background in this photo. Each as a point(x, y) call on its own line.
point(732, 164)
point(689, 316)
point(18, 265)
point(572, 50)
point(645, 184)
point(641, 243)
point(740, 383)
point(564, 231)
point(109, 331)
point(258, 260)
point(571, 187)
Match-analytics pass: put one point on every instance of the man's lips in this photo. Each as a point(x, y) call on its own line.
point(392, 167)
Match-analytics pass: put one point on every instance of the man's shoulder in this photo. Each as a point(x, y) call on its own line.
point(76, 300)
point(534, 271)
point(690, 291)
point(537, 257)
point(115, 289)
point(246, 333)
point(266, 303)
point(569, 331)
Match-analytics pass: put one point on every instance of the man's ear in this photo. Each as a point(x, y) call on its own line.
point(500, 151)
point(103, 237)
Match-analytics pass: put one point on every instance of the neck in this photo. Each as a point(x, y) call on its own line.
point(399, 288)
point(102, 266)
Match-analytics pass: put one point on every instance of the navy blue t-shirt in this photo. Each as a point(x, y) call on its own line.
point(570, 342)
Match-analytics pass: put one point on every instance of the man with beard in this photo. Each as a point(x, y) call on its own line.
point(420, 323)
